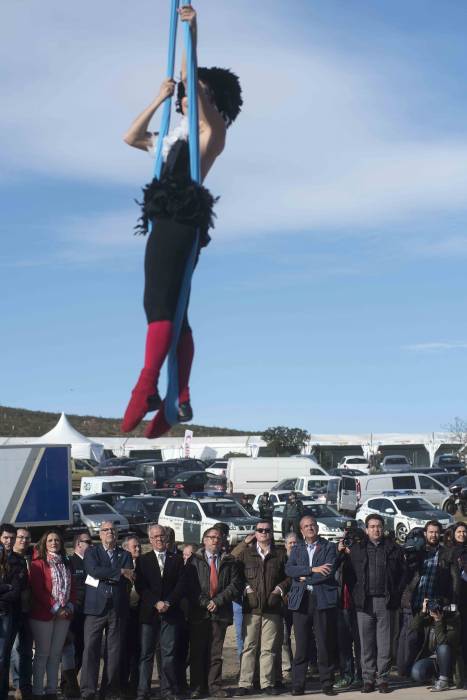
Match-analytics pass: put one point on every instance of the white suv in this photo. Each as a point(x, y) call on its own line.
point(355, 462)
point(191, 517)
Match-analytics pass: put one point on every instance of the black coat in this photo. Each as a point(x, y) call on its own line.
point(230, 587)
point(394, 573)
point(79, 574)
point(153, 587)
point(98, 565)
point(12, 583)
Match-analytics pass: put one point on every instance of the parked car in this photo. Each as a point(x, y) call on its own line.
point(395, 463)
point(347, 493)
point(140, 511)
point(449, 461)
point(305, 484)
point(219, 467)
point(355, 462)
point(90, 514)
point(275, 496)
point(158, 474)
point(197, 481)
point(331, 524)
point(190, 518)
point(129, 485)
point(402, 511)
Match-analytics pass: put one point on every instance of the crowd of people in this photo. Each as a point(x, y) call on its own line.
point(107, 613)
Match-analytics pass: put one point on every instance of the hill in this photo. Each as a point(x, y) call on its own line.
point(22, 422)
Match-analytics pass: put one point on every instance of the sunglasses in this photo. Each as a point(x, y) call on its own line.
point(263, 530)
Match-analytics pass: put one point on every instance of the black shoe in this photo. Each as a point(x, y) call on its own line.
point(368, 688)
point(383, 687)
point(329, 690)
point(270, 690)
point(154, 402)
point(185, 412)
point(196, 695)
point(298, 691)
point(218, 693)
point(242, 691)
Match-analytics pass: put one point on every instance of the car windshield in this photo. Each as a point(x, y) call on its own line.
point(407, 505)
point(319, 511)
point(96, 508)
point(461, 481)
point(445, 479)
point(357, 460)
point(448, 460)
point(153, 503)
point(395, 460)
point(224, 509)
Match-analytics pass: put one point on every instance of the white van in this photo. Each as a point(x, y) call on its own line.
point(347, 493)
point(128, 485)
point(249, 475)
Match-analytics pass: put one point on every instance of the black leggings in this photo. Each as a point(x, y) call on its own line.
point(167, 251)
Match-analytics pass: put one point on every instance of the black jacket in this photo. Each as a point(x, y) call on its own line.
point(12, 583)
point(292, 514)
point(153, 587)
point(445, 631)
point(394, 573)
point(230, 587)
point(79, 574)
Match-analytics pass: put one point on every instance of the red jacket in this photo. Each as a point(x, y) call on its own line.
point(41, 586)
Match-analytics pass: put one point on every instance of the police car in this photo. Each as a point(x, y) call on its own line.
point(331, 524)
point(402, 511)
point(191, 517)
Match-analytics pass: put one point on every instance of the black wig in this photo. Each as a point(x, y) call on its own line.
point(226, 90)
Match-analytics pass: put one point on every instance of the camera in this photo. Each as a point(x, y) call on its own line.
point(434, 605)
point(352, 534)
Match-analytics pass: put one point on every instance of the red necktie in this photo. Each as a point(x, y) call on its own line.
point(213, 579)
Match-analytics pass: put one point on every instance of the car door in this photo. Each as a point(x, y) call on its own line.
point(348, 499)
point(388, 511)
point(192, 523)
point(174, 517)
point(277, 516)
point(432, 490)
point(127, 509)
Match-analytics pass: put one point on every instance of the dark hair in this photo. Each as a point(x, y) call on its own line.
point(226, 90)
point(41, 547)
point(77, 537)
point(433, 523)
point(6, 527)
point(374, 516)
point(214, 528)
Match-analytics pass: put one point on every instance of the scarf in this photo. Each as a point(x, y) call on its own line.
point(61, 579)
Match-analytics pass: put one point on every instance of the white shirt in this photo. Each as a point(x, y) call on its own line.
point(261, 553)
point(311, 548)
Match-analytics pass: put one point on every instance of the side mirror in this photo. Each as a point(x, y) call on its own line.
point(390, 511)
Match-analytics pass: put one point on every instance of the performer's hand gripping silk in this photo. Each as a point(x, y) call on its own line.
point(174, 207)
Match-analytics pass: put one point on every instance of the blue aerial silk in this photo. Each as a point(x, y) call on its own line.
point(170, 406)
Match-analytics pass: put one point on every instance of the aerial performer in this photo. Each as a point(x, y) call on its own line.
point(176, 211)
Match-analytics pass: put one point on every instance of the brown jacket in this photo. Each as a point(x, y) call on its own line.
point(262, 576)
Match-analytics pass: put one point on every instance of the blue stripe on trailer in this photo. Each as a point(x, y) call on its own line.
point(47, 497)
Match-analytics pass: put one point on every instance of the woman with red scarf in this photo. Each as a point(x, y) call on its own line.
point(53, 596)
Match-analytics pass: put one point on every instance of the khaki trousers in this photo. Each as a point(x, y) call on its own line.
point(263, 633)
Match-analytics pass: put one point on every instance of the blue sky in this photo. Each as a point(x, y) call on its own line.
point(332, 296)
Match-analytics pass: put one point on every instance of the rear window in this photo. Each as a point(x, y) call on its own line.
point(396, 460)
point(357, 460)
point(175, 509)
point(348, 483)
point(317, 484)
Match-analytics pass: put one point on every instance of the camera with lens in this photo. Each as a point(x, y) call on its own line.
point(434, 605)
point(352, 534)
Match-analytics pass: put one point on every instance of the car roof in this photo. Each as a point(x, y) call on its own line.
point(119, 477)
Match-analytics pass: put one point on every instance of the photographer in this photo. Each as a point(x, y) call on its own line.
point(407, 643)
point(265, 506)
point(293, 512)
point(378, 579)
point(347, 627)
point(441, 636)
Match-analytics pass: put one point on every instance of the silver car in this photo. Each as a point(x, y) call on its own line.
point(90, 515)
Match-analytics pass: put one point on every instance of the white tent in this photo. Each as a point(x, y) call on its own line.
point(64, 434)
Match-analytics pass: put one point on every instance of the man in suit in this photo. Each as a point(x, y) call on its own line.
point(313, 600)
point(108, 568)
point(214, 581)
point(160, 583)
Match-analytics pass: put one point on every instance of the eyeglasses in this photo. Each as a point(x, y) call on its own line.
point(263, 530)
point(23, 537)
point(108, 529)
point(157, 537)
point(213, 537)
point(87, 541)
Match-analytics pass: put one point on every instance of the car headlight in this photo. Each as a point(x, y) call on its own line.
point(232, 526)
point(324, 528)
